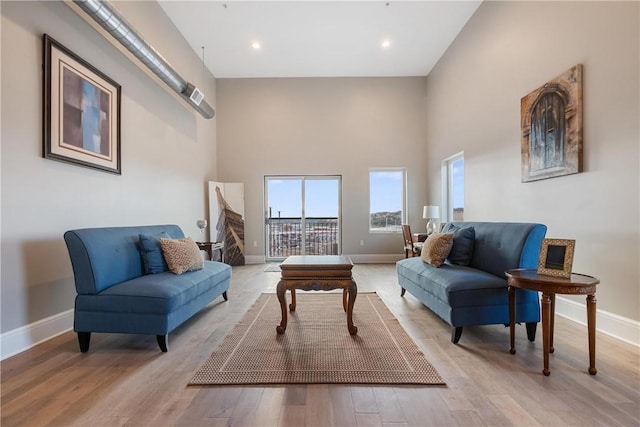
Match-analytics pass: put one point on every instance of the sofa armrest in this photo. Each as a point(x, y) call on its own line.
point(531, 249)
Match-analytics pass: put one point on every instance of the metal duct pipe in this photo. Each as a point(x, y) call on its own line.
point(108, 18)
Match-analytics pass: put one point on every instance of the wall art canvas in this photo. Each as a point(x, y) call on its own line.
point(551, 122)
point(226, 213)
point(81, 111)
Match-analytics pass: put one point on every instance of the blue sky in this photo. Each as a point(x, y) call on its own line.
point(285, 195)
point(387, 194)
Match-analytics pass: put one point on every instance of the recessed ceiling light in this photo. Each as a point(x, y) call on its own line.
point(385, 43)
point(255, 45)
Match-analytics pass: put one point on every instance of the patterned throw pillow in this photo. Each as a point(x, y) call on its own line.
point(182, 255)
point(436, 248)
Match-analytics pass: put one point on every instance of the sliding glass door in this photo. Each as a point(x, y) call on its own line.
point(302, 216)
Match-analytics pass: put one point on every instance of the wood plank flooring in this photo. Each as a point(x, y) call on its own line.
point(124, 380)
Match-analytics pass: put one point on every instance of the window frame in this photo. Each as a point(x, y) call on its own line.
point(403, 209)
point(447, 186)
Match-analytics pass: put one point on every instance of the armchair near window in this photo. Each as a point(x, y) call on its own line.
point(411, 248)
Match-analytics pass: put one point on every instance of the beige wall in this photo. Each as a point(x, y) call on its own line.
point(334, 126)
point(509, 49)
point(168, 153)
point(326, 126)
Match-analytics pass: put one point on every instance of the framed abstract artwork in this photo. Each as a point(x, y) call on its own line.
point(81, 111)
point(551, 128)
point(556, 257)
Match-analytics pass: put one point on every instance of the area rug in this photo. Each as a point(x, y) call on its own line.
point(316, 348)
point(273, 268)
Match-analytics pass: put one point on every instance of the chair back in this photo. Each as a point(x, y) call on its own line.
point(409, 249)
point(406, 234)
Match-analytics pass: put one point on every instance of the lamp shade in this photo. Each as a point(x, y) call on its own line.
point(431, 212)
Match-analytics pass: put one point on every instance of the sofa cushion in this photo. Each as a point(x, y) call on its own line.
point(463, 241)
point(181, 255)
point(454, 284)
point(436, 248)
point(151, 251)
point(160, 293)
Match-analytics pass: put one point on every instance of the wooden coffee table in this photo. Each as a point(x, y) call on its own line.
point(317, 273)
point(550, 286)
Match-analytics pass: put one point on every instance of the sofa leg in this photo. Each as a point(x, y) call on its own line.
point(163, 341)
point(224, 295)
point(402, 292)
point(531, 330)
point(456, 332)
point(83, 340)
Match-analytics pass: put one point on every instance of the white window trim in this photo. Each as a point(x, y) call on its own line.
point(404, 214)
point(446, 181)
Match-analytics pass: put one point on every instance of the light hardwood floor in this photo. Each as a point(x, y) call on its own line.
point(126, 381)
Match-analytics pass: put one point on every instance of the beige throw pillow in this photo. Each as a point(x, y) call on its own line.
point(436, 248)
point(181, 255)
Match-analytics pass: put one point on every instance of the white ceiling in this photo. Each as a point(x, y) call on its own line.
point(319, 38)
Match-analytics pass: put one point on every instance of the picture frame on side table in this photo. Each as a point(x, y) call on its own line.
point(81, 111)
point(556, 257)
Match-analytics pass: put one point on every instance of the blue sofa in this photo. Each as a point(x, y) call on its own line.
point(476, 294)
point(114, 294)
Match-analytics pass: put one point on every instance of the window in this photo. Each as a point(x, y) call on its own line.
point(453, 188)
point(387, 200)
point(302, 215)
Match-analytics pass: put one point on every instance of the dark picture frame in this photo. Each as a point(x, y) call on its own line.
point(556, 257)
point(551, 128)
point(81, 111)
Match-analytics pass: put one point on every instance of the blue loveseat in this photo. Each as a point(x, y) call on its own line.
point(476, 293)
point(114, 294)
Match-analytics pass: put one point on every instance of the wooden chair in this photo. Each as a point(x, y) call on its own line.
point(410, 247)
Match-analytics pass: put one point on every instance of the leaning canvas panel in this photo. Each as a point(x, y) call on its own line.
point(226, 216)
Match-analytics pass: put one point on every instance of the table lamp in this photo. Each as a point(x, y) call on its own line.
point(431, 213)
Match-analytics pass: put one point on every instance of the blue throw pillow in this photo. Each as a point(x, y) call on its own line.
point(463, 242)
point(151, 251)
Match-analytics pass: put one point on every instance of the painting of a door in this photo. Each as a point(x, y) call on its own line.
point(551, 121)
point(226, 216)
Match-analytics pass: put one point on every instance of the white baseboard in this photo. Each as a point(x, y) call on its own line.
point(618, 327)
point(356, 258)
point(254, 259)
point(23, 338)
point(375, 258)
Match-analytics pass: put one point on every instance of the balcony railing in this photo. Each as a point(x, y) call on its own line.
point(285, 236)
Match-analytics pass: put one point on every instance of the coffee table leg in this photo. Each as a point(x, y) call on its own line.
point(546, 308)
point(512, 319)
point(353, 292)
point(292, 306)
point(591, 324)
point(344, 299)
point(281, 291)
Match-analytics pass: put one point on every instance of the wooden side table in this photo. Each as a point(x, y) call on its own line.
point(577, 284)
point(420, 237)
point(209, 247)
